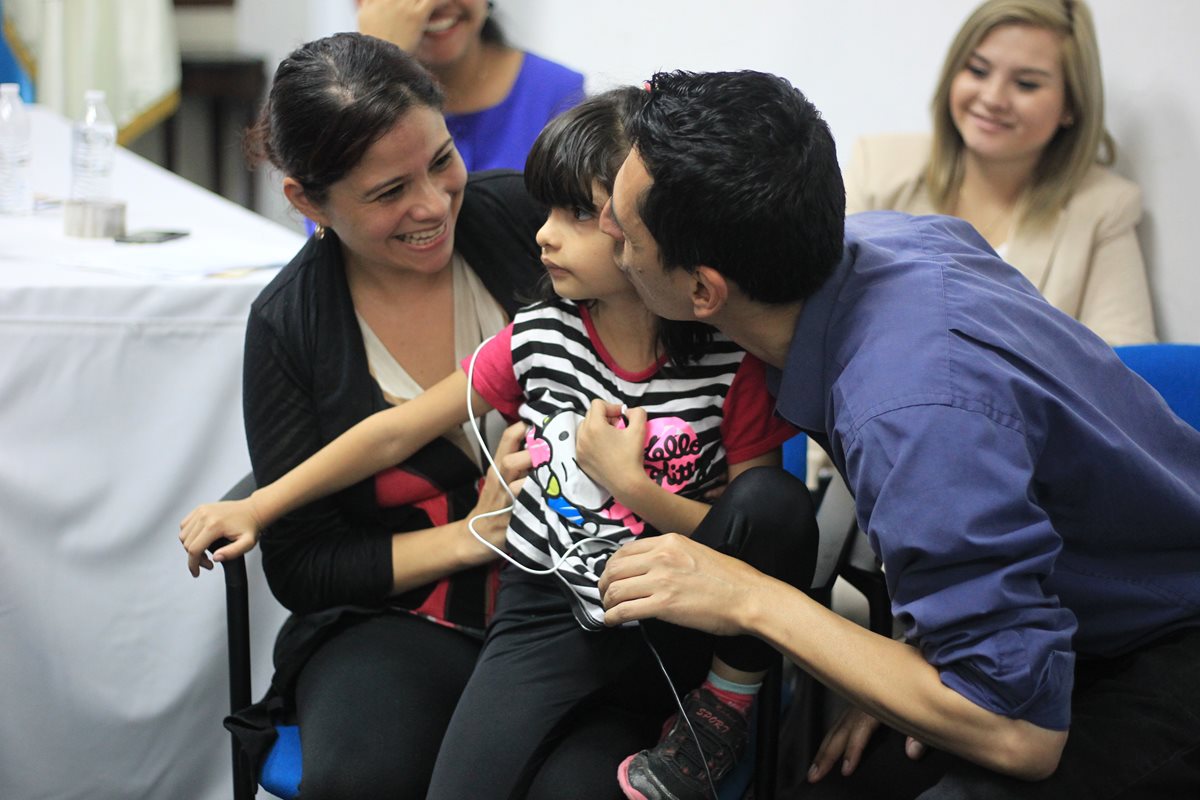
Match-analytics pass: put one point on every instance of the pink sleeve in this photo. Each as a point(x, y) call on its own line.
point(749, 426)
point(494, 378)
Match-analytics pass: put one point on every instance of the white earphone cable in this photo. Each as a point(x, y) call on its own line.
point(551, 570)
point(554, 568)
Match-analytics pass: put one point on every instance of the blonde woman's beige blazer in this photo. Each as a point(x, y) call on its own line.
point(1086, 262)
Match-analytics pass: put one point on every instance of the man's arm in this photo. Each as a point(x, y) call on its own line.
point(944, 493)
point(675, 579)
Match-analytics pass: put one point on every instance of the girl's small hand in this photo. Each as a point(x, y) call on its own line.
point(611, 456)
point(714, 494)
point(515, 462)
point(401, 22)
point(234, 520)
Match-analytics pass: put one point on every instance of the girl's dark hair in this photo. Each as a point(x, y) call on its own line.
point(584, 145)
point(330, 101)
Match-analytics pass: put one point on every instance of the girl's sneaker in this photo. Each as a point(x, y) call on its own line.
point(674, 768)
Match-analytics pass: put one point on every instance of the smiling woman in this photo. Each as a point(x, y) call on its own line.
point(1007, 103)
point(412, 267)
point(395, 210)
point(1019, 150)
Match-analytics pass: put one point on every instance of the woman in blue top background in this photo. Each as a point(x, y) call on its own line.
point(498, 98)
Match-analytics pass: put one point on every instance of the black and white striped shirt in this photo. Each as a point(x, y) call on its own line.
point(546, 368)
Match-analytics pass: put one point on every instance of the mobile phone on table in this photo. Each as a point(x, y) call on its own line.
point(149, 236)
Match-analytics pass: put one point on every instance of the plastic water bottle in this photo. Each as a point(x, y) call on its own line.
point(16, 195)
point(93, 150)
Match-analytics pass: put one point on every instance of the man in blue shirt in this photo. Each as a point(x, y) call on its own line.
point(1035, 504)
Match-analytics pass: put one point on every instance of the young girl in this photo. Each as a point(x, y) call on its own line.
point(698, 413)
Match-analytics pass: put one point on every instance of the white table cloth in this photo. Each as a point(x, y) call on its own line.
point(120, 409)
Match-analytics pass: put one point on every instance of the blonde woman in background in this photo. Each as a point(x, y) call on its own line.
point(1019, 150)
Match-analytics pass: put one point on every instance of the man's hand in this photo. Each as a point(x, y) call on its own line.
point(846, 741)
point(675, 579)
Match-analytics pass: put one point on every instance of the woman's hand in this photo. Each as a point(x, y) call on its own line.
point(401, 22)
point(493, 499)
point(846, 741)
point(609, 455)
point(234, 520)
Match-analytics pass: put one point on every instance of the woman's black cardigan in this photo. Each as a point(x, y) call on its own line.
point(306, 381)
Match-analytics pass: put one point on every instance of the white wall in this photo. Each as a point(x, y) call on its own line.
point(869, 66)
point(272, 29)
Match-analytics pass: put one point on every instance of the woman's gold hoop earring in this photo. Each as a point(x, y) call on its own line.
point(320, 231)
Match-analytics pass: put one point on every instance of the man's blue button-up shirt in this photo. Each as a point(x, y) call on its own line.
point(1030, 497)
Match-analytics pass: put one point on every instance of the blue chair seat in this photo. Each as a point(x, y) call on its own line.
point(1173, 370)
point(281, 768)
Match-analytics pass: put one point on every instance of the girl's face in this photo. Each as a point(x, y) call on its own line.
point(397, 208)
point(451, 31)
point(578, 255)
point(1010, 98)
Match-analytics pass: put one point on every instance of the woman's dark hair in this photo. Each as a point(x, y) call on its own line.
point(584, 145)
point(491, 33)
point(330, 101)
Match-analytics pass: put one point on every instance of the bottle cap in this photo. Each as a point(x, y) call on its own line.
point(93, 96)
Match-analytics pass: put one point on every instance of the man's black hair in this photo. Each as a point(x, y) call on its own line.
point(745, 180)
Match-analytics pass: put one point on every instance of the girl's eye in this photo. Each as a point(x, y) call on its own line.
point(978, 72)
point(443, 160)
point(392, 193)
point(583, 214)
point(1028, 86)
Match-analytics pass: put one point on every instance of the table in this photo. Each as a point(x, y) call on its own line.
point(120, 386)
